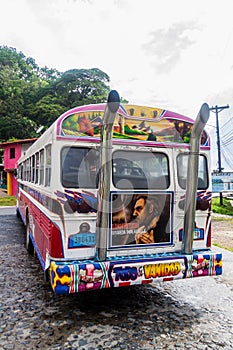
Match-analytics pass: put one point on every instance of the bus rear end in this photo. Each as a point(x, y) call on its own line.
point(147, 220)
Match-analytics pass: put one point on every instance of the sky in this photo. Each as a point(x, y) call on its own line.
point(170, 54)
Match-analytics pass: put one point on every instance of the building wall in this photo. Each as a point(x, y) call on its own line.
point(222, 181)
point(12, 152)
point(10, 159)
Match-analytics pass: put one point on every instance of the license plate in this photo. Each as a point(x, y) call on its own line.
point(82, 240)
point(198, 234)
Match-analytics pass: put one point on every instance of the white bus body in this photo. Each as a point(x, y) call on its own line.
point(59, 193)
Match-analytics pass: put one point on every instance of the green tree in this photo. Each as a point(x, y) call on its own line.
point(45, 111)
point(31, 96)
point(78, 87)
point(16, 73)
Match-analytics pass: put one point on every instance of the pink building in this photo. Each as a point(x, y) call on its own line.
point(12, 152)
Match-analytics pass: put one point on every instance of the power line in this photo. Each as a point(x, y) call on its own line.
point(227, 122)
point(228, 141)
point(226, 157)
point(216, 110)
point(229, 133)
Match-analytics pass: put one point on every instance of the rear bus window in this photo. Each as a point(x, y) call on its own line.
point(182, 169)
point(140, 170)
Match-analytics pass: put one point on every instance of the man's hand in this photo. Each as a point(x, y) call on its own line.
point(145, 237)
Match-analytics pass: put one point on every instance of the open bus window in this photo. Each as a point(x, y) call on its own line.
point(182, 169)
point(79, 167)
point(140, 170)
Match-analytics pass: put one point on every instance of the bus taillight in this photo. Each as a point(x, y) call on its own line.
point(56, 249)
point(209, 237)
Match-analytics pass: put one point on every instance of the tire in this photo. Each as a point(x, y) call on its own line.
point(28, 243)
point(18, 214)
point(46, 276)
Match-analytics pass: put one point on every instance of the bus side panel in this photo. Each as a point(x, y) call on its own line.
point(22, 203)
point(45, 234)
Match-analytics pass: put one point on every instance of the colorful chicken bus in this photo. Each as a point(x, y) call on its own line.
point(115, 195)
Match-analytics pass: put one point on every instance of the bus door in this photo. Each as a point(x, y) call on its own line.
point(203, 198)
point(141, 201)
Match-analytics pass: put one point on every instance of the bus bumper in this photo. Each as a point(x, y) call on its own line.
point(80, 276)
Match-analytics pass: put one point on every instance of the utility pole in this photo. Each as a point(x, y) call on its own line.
point(217, 110)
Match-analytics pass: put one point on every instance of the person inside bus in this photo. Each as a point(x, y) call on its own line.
point(152, 216)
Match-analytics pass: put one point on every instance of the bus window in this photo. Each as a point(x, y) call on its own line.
point(33, 168)
point(37, 168)
point(79, 167)
point(24, 170)
point(47, 165)
point(28, 169)
point(140, 170)
point(41, 166)
point(182, 168)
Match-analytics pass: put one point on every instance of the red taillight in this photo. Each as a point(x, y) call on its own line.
point(209, 236)
point(56, 248)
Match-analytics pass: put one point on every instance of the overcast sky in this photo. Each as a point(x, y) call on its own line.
point(173, 54)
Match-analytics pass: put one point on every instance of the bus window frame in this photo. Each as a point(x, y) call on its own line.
point(184, 178)
point(76, 185)
point(162, 182)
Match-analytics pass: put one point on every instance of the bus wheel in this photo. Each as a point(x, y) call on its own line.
point(46, 276)
point(28, 244)
point(18, 214)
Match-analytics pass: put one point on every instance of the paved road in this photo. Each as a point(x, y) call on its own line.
point(7, 211)
point(191, 314)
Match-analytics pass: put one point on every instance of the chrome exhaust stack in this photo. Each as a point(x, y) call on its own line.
point(192, 178)
point(105, 173)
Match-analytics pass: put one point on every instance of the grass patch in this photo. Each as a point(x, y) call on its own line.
point(225, 209)
point(7, 201)
point(223, 247)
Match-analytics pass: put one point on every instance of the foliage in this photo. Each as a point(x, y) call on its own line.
point(31, 96)
point(7, 201)
point(225, 209)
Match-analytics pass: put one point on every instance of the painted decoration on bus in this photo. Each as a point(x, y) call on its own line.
point(133, 123)
point(79, 277)
point(122, 275)
point(77, 201)
point(141, 218)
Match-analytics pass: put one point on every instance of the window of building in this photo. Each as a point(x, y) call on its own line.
point(12, 153)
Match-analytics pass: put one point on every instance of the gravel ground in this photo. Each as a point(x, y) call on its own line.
point(177, 315)
point(222, 230)
point(164, 316)
point(193, 314)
